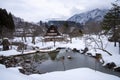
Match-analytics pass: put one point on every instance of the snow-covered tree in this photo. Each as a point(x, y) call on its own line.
point(97, 42)
point(111, 23)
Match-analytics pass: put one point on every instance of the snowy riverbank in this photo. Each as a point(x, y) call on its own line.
point(78, 43)
point(75, 74)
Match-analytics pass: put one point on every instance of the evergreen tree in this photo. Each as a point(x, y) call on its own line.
point(3, 20)
point(11, 22)
point(112, 18)
point(6, 21)
point(111, 22)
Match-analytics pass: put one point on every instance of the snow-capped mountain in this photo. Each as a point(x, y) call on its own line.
point(93, 15)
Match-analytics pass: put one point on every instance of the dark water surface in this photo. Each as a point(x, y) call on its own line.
point(44, 62)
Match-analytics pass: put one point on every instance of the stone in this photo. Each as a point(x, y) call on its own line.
point(85, 50)
point(117, 69)
point(110, 65)
point(69, 57)
point(75, 50)
point(89, 54)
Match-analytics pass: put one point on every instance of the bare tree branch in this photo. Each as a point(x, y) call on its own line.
point(98, 42)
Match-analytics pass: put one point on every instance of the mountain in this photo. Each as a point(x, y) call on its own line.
point(93, 15)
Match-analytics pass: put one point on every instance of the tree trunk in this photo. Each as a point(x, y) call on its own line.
point(1, 32)
point(33, 39)
point(115, 43)
point(119, 47)
point(25, 39)
point(70, 39)
point(54, 42)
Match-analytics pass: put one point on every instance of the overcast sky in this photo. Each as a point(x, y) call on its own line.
point(36, 10)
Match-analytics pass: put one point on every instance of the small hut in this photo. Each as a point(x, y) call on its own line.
point(53, 34)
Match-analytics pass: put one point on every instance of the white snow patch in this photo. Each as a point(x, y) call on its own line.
point(12, 74)
point(9, 52)
point(78, 43)
point(75, 74)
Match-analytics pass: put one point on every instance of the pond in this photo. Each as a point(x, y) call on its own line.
point(62, 60)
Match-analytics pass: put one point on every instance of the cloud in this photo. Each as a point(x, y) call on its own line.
point(35, 10)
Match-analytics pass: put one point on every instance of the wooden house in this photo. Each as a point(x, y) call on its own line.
point(53, 34)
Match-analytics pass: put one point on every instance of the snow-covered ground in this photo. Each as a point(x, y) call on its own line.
point(78, 43)
point(77, 74)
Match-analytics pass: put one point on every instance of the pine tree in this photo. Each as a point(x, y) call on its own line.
point(3, 20)
point(112, 18)
point(11, 22)
point(6, 21)
point(111, 24)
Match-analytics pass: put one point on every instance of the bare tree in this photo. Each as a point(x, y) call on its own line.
point(33, 35)
point(97, 42)
point(24, 33)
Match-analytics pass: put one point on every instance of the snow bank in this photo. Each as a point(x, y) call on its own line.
point(9, 52)
point(75, 74)
point(78, 43)
point(113, 58)
point(12, 74)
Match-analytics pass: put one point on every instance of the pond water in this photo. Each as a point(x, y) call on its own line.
point(62, 60)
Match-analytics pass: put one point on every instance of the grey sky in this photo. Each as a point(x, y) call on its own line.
point(36, 10)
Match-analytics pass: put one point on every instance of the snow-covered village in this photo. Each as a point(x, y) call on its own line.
point(59, 40)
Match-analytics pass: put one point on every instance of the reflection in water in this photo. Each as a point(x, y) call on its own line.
point(53, 55)
point(60, 61)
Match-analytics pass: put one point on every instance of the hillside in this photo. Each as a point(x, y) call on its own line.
point(93, 15)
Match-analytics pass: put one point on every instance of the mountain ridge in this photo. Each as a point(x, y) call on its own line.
point(96, 15)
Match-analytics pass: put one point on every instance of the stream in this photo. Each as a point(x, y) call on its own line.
point(62, 60)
